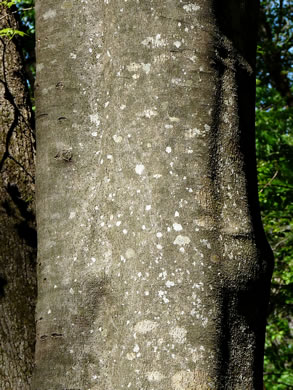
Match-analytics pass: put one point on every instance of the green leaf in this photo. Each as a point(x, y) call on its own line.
point(10, 32)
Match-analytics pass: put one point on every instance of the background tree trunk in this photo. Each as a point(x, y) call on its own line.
point(17, 220)
point(154, 270)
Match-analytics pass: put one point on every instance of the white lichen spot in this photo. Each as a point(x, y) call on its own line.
point(206, 243)
point(191, 133)
point(148, 207)
point(145, 326)
point(162, 294)
point(122, 107)
point(154, 42)
point(72, 214)
point(177, 227)
point(174, 119)
point(154, 376)
point(94, 118)
point(129, 253)
point(176, 214)
point(118, 223)
point(136, 348)
point(93, 259)
point(49, 311)
point(159, 246)
point(191, 7)
point(207, 127)
point(176, 81)
point(94, 134)
point(117, 138)
point(139, 169)
point(192, 58)
point(146, 68)
point(181, 240)
point(168, 149)
point(178, 334)
point(124, 231)
point(71, 291)
point(159, 234)
point(130, 356)
point(149, 113)
point(49, 14)
point(169, 283)
point(73, 56)
point(134, 67)
point(177, 44)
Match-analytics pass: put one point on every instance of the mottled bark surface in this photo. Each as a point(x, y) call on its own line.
point(153, 266)
point(17, 228)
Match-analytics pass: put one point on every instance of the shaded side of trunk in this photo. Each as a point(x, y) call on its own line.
point(17, 219)
point(154, 270)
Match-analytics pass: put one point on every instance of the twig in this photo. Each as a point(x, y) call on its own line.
point(23, 168)
point(14, 12)
point(269, 182)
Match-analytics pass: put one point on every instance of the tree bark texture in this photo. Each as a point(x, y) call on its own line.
point(154, 270)
point(17, 220)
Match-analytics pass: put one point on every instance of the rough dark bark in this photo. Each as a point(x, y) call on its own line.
point(154, 269)
point(17, 220)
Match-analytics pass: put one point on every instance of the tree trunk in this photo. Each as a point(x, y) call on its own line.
point(154, 270)
point(17, 220)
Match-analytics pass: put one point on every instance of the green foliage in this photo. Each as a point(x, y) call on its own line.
point(274, 143)
point(274, 123)
point(10, 33)
point(275, 53)
point(8, 4)
point(26, 12)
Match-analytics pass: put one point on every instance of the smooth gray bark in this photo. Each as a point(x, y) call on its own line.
point(17, 218)
point(153, 266)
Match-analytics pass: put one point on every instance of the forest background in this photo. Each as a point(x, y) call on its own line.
point(274, 146)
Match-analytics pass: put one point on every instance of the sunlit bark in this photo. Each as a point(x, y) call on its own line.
point(153, 266)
